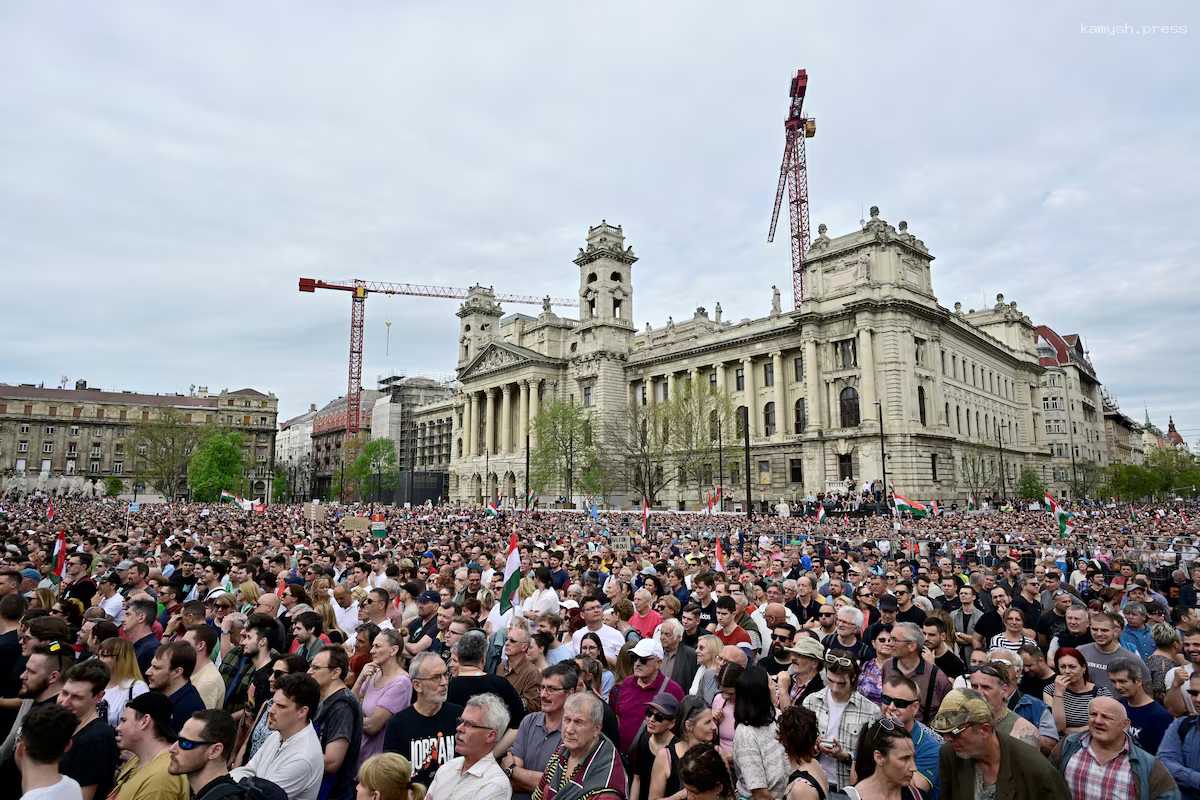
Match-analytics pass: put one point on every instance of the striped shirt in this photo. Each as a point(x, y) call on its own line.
point(1075, 704)
point(1008, 644)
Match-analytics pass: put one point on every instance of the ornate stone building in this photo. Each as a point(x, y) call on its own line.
point(870, 345)
point(1073, 412)
point(56, 439)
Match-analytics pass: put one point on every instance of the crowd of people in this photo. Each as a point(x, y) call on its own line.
point(191, 650)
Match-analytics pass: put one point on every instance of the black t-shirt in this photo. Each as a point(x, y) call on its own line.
point(1051, 625)
point(708, 614)
point(988, 626)
point(1068, 639)
point(92, 757)
point(418, 630)
point(1034, 686)
point(772, 666)
point(185, 701)
point(1031, 610)
point(82, 590)
point(427, 742)
point(949, 663)
point(913, 614)
point(805, 612)
point(10, 659)
point(262, 684)
point(340, 717)
point(464, 687)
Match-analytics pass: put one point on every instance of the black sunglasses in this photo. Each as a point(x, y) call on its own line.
point(887, 699)
point(657, 716)
point(191, 744)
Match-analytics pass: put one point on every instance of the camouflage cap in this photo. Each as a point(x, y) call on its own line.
point(960, 708)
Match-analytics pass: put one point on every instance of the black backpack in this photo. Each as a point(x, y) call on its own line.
point(251, 788)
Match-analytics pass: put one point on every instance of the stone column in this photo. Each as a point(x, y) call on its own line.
point(866, 363)
point(535, 407)
point(752, 409)
point(670, 386)
point(505, 444)
point(783, 415)
point(523, 414)
point(468, 429)
point(812, 385)
point(489, 430)
point(651, 399)
point(476, 444)
point(719, 368)
point(694, 377)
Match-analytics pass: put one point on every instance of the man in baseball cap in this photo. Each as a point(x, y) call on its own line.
point(634, 694)
point(146, 731)
point(1005, 766)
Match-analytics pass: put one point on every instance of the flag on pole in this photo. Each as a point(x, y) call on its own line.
point(1061, 516)
point(60, 550)
point(512, 573)
point(820, 513)
point(50, 510)
point(492, 510)
point(645, 517)
point(937, 512)
point(1132, 515)
point(530, 500)
point(917, 509)
point(719, 560)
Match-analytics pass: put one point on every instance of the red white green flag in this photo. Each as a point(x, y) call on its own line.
point(820, 513)
point(512, 573)
point(719, 559)
point(917, 509)
point(1061, 516)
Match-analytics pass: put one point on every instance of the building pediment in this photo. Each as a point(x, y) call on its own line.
point(501, 356)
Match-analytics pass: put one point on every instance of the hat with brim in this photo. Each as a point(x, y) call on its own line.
point(665, 703)
point(808, 647)
point(960, 709)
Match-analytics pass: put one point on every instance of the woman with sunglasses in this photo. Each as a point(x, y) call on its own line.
point(247, 596)
point(694, 725)
point(656, 733)
point(870, 682)
point(884, 764)
point(125, 678)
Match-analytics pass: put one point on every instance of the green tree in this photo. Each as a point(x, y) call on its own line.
point(1175, 471)
point(217, 464)
point(162, 447)
point(113, 486)
point(1087, 479)
point(637, 448)
point(565, 450)
point(1030, 486)
point(375, 468)
point(280, 486)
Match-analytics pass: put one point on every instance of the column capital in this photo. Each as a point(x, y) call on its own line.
point(777, 354)
point(490, 391)
point(506, 388)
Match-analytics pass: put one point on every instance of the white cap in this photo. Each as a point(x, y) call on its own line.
point(648, 647)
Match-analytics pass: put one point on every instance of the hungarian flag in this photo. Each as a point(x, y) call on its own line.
point(937, 512)
point(60, 549)
point(1132, 515)
point(1062, 517)
point(913, 507)
point(529, 499)
point(820, 513)
point(50, 510)
point(719, 560)
point(492, 511)
point(645, 517)
point(512, 573)
point(280, 585)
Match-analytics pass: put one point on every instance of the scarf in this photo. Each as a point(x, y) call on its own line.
point(601, 772)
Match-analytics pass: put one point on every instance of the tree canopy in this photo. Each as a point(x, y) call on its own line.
point(217, 464)
point(162, 447)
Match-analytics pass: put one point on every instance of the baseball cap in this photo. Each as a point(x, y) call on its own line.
point(124, 565)
point(959, 709)
point(665, 703)
point(31, 573)
point(429, 596)
point(648, 647)
point(808, 647)
point(888, 603)
point(158, 707)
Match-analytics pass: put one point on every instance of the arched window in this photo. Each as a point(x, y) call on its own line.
point(978, 427)
point(591, 277)
point(947, 417)
point(460, 448)
point(666, 431)
point(848, 403)
point(987, 426)
point(643, 431)
point(958, 417)
point(769, 419)
point(921, 403)
point(801, 421)
point(615, 277)
point(968, 422)
point(741, 422)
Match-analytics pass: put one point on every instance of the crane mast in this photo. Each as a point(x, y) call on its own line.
point(793, 173)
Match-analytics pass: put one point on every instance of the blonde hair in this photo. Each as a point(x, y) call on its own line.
point(44, 597)
point(125, 665)
point(390, 774)
point(526, 588)
point(249, 592)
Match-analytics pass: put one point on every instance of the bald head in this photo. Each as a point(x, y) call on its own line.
point(775, 614)
point(1107, 720)
point(732, 654)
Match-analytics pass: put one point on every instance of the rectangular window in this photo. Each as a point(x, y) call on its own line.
point(735, 474)
point(72, 449)
point(712, 378)
point(70, 466)
point(47, 448)
point(919, 351)
point(122, 414)
point(764, 472)
point(76, 412)
point(45, 466)
point(943, 362)
point(587, 396)
point(845, 467)
point(24, 427)
point(118, 467)
point(54, 411)
point(74, 430)
point(245, 419)
point(99, 413)
point(768, 374)
point(739, 379)
point(798, 368)
point(933, 466)
point(845, 354)
point(643, 393)
point(20, 465)
point(22, 447)
point(94, 465)
point(795, 470)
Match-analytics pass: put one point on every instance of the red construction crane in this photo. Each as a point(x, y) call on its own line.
point(794, 173)
point(359, 290)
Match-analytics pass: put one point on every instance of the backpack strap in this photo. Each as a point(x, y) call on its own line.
point(933, 673)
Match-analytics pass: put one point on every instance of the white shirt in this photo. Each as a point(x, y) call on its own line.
point(543, 601)
point(1187, 668)
point(117, 696)
point(483, 781)
point(115, 607)
point(65, 789)
point(611, 638)
point(296, 765)
point(347, 618)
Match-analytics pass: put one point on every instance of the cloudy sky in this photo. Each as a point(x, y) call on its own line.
point(170, 170)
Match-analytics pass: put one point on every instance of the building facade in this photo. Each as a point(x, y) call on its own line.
point(73, 439)
point(1122, 435)
point(329, 436)
point(1073, 413)
point(869, 347)
point(393, 415)
point(294, 452)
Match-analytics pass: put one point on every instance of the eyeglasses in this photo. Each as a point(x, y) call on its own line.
point(955, 732)
point(989, 670)
point(642, 659)
point(439, 677)
point(657, 716)
point(777, 638)
point(460, 722)
point(277, 673)
point(191, 744)
point(898, 702)
point(840, 661)
point(825, 614)
point(1194, 692)
point(547, 689)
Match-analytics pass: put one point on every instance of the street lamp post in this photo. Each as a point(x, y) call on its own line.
point(746, 447)
point(882, 454)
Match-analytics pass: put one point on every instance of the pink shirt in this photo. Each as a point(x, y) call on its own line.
point(645, 625)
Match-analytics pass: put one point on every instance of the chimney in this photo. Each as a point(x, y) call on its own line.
point(80, 385)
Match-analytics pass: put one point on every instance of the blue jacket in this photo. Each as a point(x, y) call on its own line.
point(1182, 758)
point(1139, 641)
point(1153, 779)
